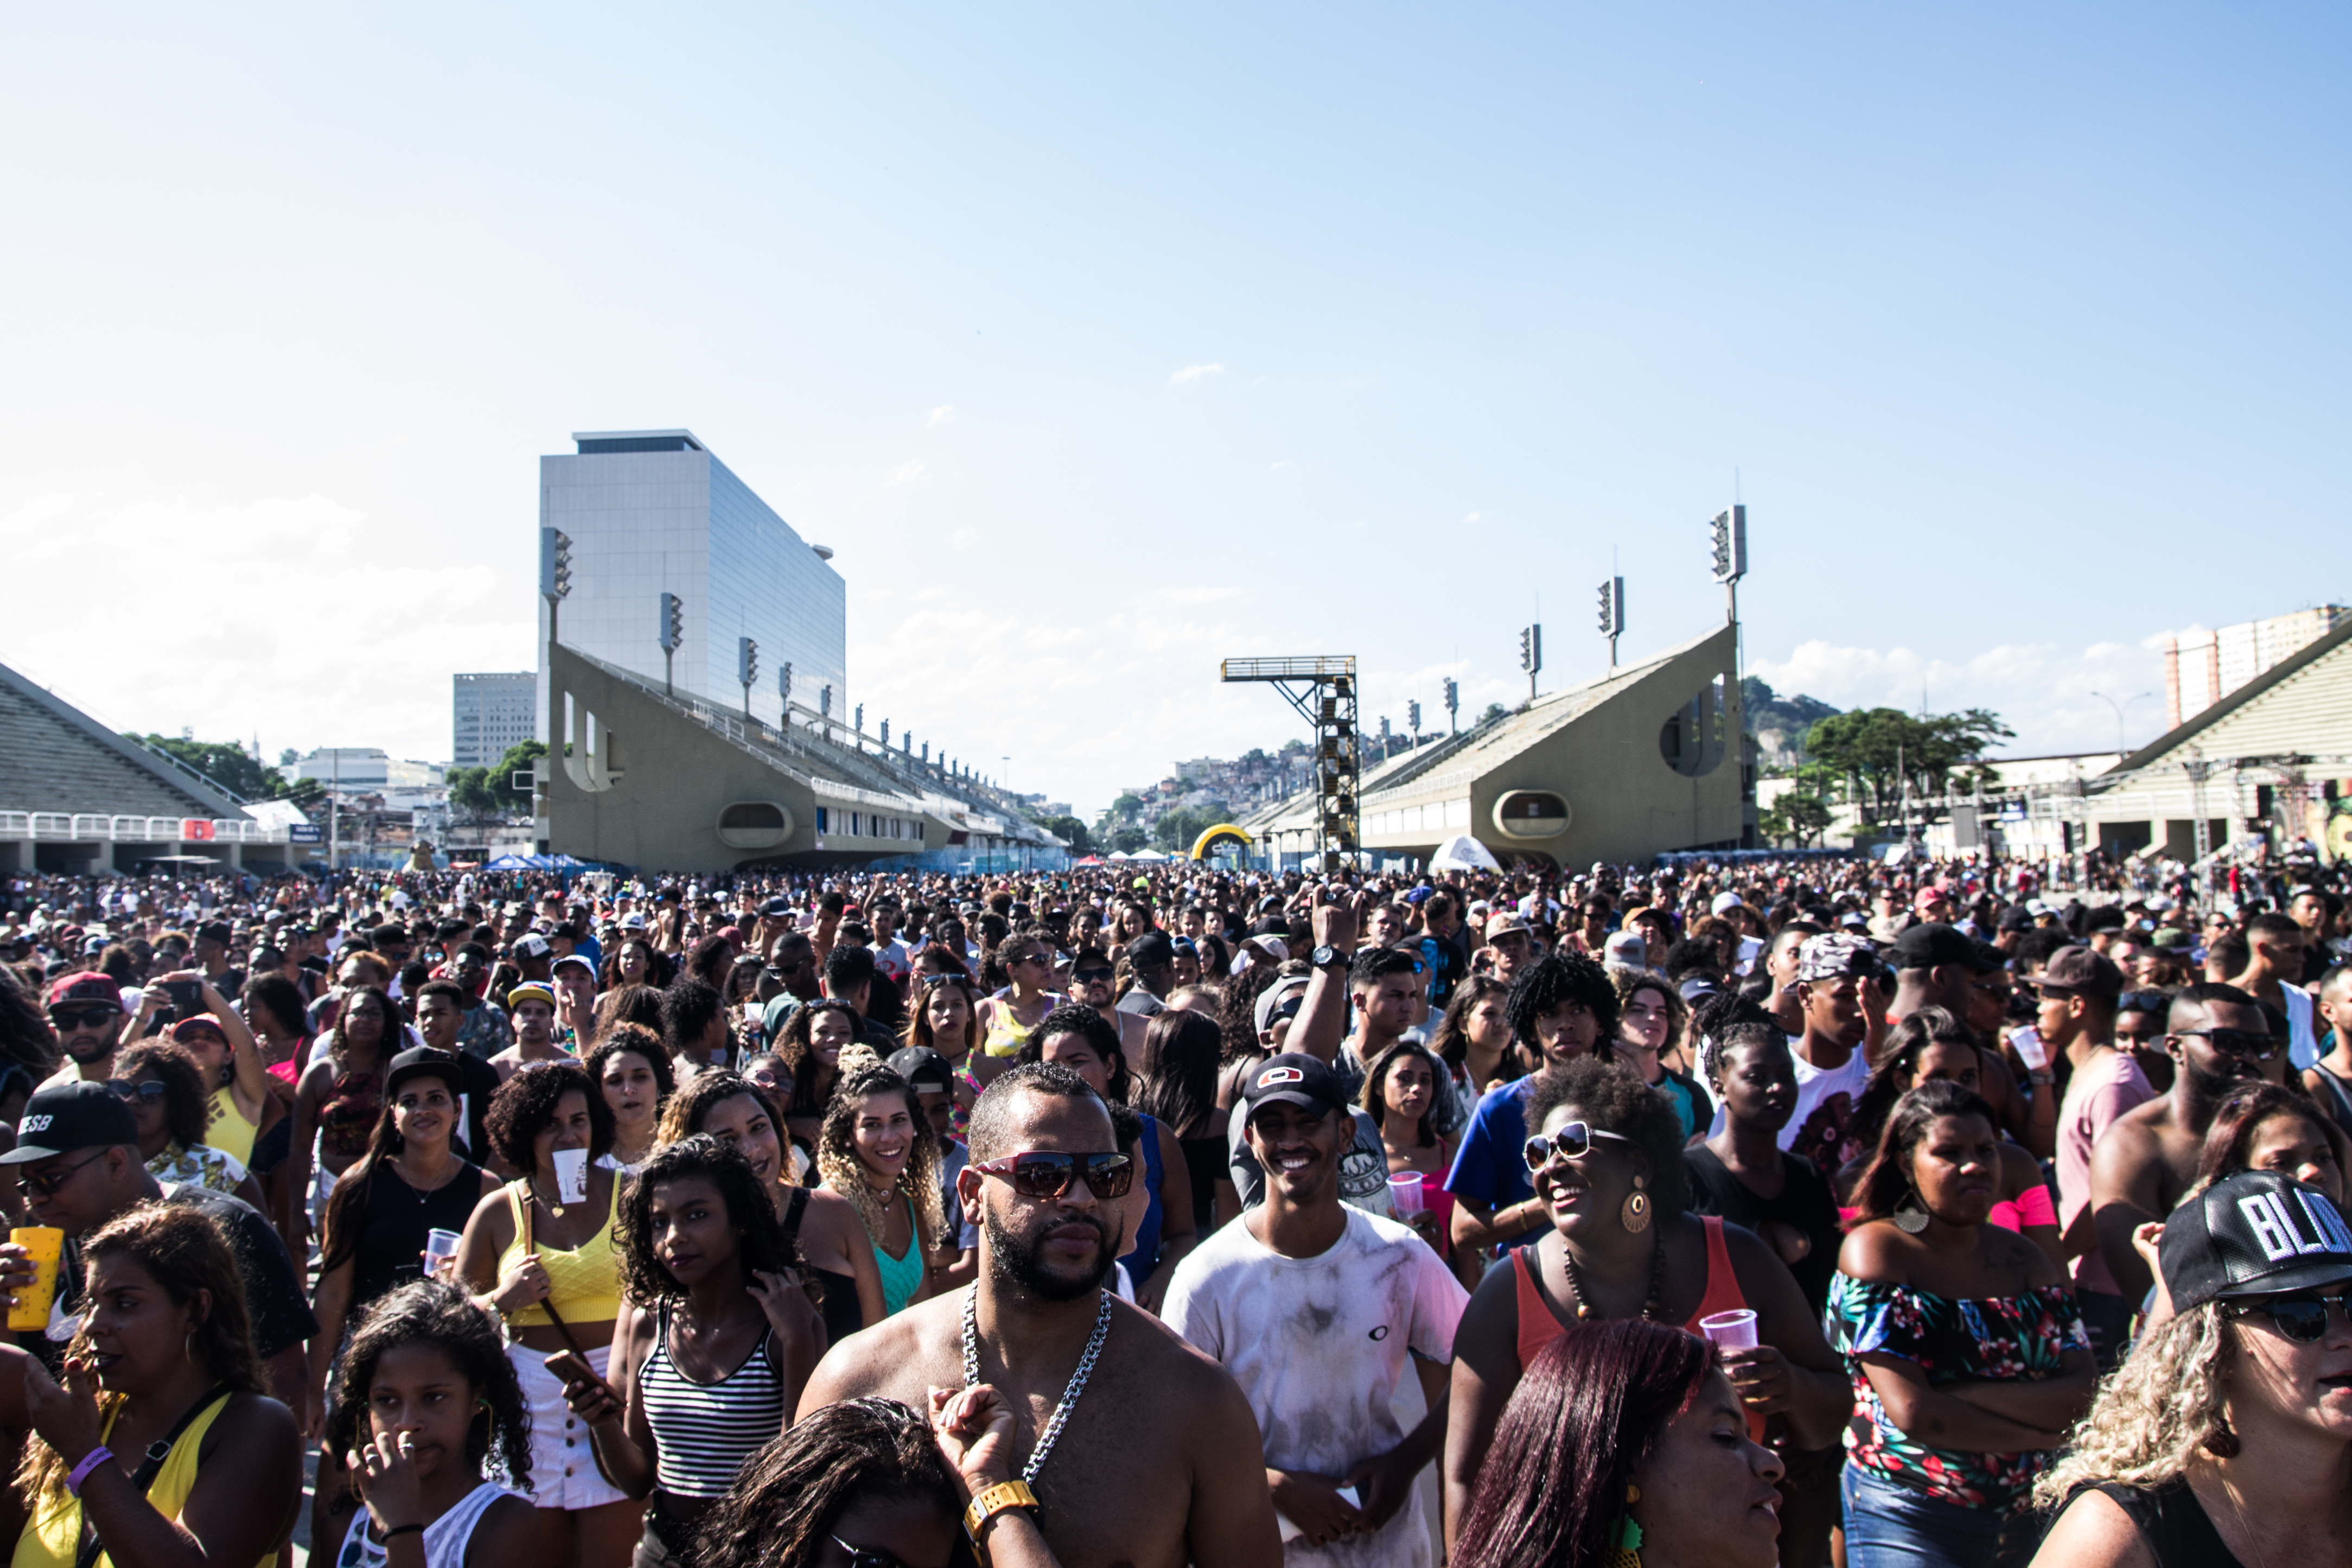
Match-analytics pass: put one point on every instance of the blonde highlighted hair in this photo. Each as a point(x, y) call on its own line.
point(837, 1162)
point(2153, 1413)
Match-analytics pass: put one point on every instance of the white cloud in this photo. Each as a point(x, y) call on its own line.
point(913, 472)
point(943, 415)
point(1192, 373)
point(2055, 698)
point(1470, 517)
point(964, 538)
point(300, 621)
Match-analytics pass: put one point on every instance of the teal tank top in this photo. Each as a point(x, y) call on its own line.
point(901, 1276)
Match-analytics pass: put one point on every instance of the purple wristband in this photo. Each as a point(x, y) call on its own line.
point(90, 1462)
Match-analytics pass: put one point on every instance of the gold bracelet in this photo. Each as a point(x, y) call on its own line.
point(987, 1505)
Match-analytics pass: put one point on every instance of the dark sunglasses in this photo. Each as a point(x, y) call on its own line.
point(2260, 1046)
point(69, 1019)
point(1089, 977)
point(2301, 1318)
point(124, 1089)
point(867, 1556)
point(1572, 1141)
point(1045, 1174)
point(2142, 1002)
point(47, 1184)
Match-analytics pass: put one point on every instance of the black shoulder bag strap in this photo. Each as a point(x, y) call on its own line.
point(151, 1466)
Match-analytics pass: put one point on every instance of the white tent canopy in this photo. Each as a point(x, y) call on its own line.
point(1464, 853)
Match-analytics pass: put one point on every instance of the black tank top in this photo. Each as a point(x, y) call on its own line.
point(394, 1225)
point(843, 1315)
point(2171, 1522)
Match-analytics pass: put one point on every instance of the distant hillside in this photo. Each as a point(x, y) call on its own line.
point(1779, 723)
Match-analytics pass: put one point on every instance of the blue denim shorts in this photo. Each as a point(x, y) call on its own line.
point(1890, 1525)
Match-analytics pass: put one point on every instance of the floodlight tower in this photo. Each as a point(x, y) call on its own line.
point(1613, 615)
point(1323, 690)
point(670, 632)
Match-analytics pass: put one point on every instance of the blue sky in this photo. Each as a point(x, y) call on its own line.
point(1101, 346)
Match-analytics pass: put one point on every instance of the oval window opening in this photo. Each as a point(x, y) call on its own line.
point(1531, 813)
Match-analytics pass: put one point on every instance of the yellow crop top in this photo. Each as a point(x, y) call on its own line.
point(584, 1284)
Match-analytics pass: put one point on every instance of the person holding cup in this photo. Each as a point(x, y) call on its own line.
point(379, 1226)
point(540, 1252)
point(1400, 1091)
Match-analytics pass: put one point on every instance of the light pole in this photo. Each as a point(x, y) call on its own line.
point(2119, 708)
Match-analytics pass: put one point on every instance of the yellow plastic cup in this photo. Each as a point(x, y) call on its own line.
point(47, 1244)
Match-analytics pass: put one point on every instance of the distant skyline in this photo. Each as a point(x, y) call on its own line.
point(1102, 346)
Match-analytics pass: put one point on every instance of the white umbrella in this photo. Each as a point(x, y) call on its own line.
point(1464, 853)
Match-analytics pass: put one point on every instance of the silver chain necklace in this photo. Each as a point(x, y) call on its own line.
point(1069, 1396)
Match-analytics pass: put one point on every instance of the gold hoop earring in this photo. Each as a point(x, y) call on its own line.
point(1634, 1213)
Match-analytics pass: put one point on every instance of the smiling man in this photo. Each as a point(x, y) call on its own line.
point(1156, 1461)
point(1316, 1308)
point(86, 1010)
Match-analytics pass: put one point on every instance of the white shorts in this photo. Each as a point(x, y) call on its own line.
point(563, 1472)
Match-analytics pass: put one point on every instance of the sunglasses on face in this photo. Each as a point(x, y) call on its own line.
point(2245, 1043)
point(1572, 1141)
point(124, 1089)
point(2303, 1318)
point(47, 1184)
point(1045, 1174)
point(69, 1019)
point(1092, 977)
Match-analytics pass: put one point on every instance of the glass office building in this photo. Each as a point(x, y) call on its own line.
point(653, 512)
point(488, 713)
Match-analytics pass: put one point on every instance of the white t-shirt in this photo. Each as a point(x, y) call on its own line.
point(1818, 1124)
point(1318, 1346)
point(2302, 1040)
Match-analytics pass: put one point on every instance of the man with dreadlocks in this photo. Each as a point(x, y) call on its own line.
point(1562, 1006)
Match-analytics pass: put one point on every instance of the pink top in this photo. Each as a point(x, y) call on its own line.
point(2095, 1098)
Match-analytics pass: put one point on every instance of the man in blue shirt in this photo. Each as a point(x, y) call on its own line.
point(1563, 1006)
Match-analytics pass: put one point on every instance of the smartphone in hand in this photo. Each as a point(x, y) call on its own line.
point(571, 1367)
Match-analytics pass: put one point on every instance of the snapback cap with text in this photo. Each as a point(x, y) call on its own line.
point(2252, 1233)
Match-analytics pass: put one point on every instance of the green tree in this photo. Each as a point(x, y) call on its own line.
point(1126, 805)
point(1494, 711)
point(1797, 814)
point(1127, 840)
point(500, 780)
point(236, 770)
point(1069, 827)
point(1881, 747)
point(1176, 831)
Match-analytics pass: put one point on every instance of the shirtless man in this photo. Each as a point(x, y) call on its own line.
point(533, 1008)
point(1158, 1462)
point(1091, 976)
point(2147, 1158)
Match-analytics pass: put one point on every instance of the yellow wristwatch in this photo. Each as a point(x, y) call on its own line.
point(987, 1505)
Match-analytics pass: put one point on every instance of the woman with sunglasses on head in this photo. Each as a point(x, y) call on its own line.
point(159, 1081)
point(1933, 1047)
point(2225, 1439)
point(1967, 1354)
point(715, 1339)
point(548, 1264)
point(229, 1059)
point(825, 1229)
point(877, 1150)
point(1006, 1018)
point(1606, 1153)
point(945, 1017)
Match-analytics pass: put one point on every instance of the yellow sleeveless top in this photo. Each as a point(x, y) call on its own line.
point(584, 1284)
point(55, 1528)
point(230, 1132)
point(1005, 1036)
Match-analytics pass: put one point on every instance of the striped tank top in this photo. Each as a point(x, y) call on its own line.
point(705, 1431)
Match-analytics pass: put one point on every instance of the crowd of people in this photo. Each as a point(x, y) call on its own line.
point(1794, 1213)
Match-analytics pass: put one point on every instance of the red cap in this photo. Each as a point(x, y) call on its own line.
point(86, 990)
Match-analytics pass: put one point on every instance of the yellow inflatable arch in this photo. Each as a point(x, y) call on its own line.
point(1210, 839)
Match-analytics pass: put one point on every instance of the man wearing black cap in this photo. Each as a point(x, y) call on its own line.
point(1316, 1309)
point(2217, 1038)
point(86, 1010)
point(1932, 967)
point(76, 1161)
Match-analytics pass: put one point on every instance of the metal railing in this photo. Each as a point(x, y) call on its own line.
point(1303, 669)
point(86, 828)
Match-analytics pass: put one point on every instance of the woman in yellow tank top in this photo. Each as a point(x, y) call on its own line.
point(235, 1074)
point(164, 1358)
point(1006, 1021)
point(548, 1268)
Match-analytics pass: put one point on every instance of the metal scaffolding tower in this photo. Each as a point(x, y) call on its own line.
point(1323, 690)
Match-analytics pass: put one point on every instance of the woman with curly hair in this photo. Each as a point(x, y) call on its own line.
point(163, 1358)
point(863, 1476)
point(164, 1089)
point(716, 1339)
point(1607, 1157)
point(424, 1403)
point(812, 1045)
point(1624, 1437)
point(549, 1265)
point(828, 1232)
point(2225, 1439)
point(1966, 1353)
point(633, 1073)
point(877, 1150)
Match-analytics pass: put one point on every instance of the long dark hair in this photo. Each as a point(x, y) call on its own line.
point(683, 1117)
point(346, 1213)
point(1589, 1409)
point(1376, 1078)
point(1451, 1039)
point(2242, 1112)
point(1888, 1177)
point(441, 1315)
point(1183, 1046)
point(797, 1047)
point(26, 1037)
point(387, 1045)
point(792, 1493)
point(761, 1243)
point(1905, 1043)
point(637, 1039)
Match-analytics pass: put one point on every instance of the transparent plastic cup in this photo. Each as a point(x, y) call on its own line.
point(1734, 1330)
point(1406, 1192)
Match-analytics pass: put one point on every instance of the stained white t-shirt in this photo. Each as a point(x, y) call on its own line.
point(1825, 1101)
point(1319, 1346)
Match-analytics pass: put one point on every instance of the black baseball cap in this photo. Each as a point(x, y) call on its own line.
point(777, 906)
point(923, 1067)
point(1931, 945)
point(78, 1116)
point(2252, 1233)
point(423, 1061)
point(1297, 1078)
point(1152, 948)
